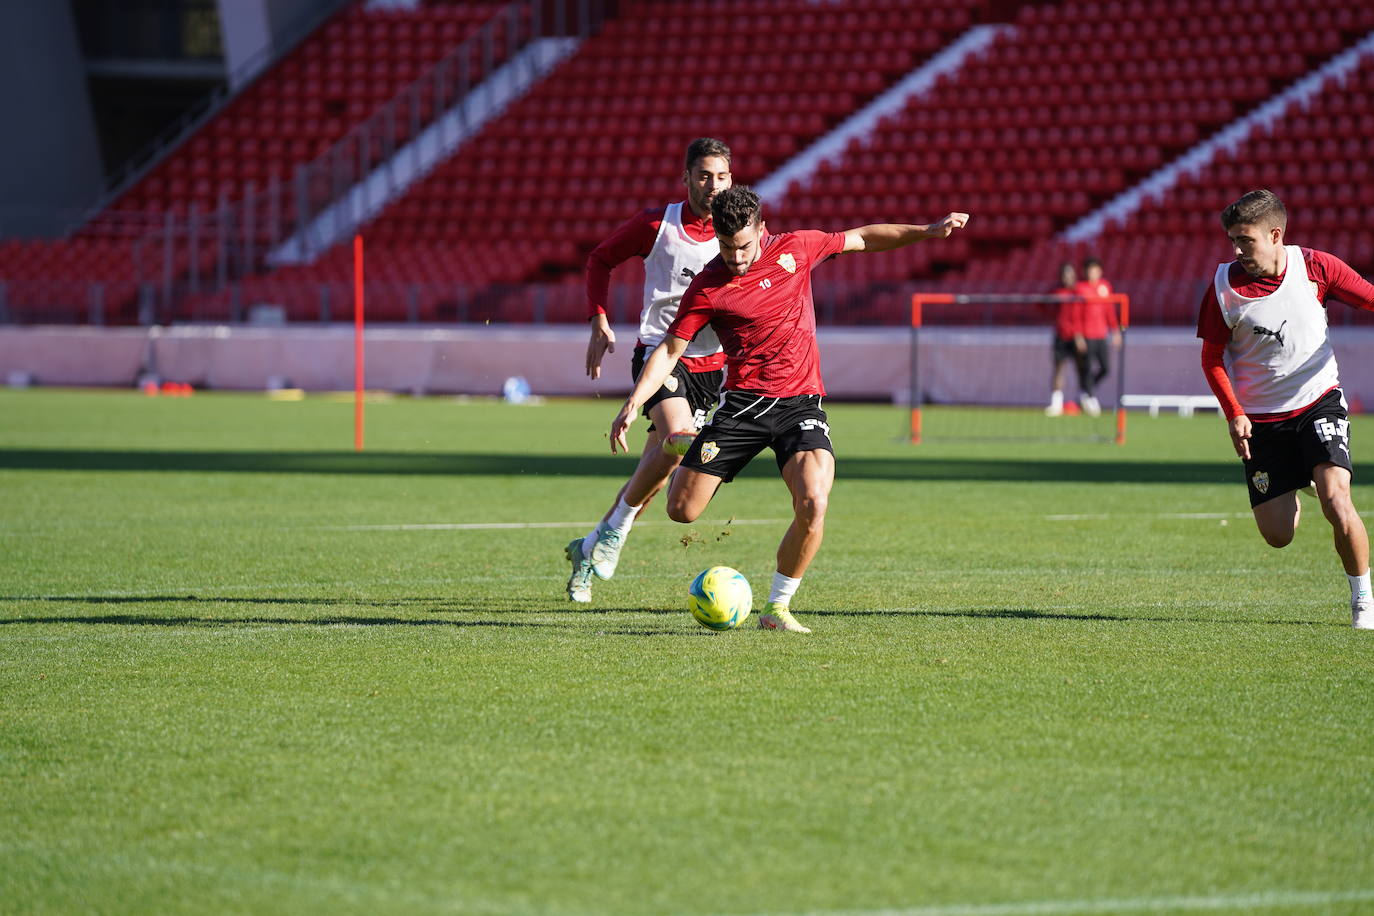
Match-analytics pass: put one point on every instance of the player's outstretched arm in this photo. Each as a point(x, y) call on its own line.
point(887, 236)
point(601, 343)
point(656, 370)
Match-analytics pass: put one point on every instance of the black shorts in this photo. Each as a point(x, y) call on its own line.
point(701, 389)
point(1284, 452)
point(746, 422)
point(1064, 348)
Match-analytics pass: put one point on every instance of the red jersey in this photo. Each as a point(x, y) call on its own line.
point(1068, 315)
point(1329, 274)
point(1098, 316)
point(766, 319)
point(634, 238)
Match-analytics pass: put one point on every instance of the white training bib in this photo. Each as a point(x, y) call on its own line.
point(1279, 357)
point(675, 259)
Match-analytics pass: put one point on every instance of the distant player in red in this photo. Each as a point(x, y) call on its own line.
point(757, 298)
point(1267, 356)
point(1097, 323)
point(675, 242)
point(1068, 340)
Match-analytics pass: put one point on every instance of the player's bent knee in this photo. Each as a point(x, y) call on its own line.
point(679, 510)
point(1277, 539)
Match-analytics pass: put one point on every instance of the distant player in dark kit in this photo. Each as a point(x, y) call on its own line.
point(757, 298)
point(675, 242)
point(1267, 356)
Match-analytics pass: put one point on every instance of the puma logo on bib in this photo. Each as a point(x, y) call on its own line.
point(1277, 335)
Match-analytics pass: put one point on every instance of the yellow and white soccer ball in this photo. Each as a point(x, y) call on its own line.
point(720, 598)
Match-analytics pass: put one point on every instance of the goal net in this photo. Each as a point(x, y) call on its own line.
point(983, 366)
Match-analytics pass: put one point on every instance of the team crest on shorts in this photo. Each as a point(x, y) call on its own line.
point(670, 383)
point(709, 450)
point(788, 263)
point(1261, 481)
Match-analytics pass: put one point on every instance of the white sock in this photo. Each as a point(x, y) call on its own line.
point(621, 519)
point(1359, 585)
point(1056, 399)
point(622, 516)
point(783, 589)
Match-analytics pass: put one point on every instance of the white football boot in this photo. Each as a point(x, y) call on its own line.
point(778, 617)
point(1362, 613)
point(1089, 405)
point(606, 551)
point(580, 582)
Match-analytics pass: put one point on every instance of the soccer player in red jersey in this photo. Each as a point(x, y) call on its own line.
point(1266, 353)
point(1098, 321)
point(757, 298)
point(675, 242)
point(1068, 340)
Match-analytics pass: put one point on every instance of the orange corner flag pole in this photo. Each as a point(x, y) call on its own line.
point(358, 373)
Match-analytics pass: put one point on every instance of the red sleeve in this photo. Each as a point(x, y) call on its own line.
point(819, 245)
point(1211, 327)
point(635, 237)
point(1109, 309)
point(1214, 370)
point(1336, 278)
point(693, 312)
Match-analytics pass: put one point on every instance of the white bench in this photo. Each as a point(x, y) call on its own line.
point(1185, 404)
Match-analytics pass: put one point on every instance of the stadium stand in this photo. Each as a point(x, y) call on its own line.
point(1079, 101)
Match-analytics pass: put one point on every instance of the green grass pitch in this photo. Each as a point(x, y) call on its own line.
point(1044, 678)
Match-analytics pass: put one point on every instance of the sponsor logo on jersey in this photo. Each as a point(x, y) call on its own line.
point(709, 451)
point(688, 274)
point(1277, 335)
point(788, 263)
point(1261, 481)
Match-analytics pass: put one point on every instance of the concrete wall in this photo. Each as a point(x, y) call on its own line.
point(50, 164)
point(250, 26)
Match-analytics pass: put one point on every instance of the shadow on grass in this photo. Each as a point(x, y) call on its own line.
point(143, 620)
point(531, 606)
point(914, 467)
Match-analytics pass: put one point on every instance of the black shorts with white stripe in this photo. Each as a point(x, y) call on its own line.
point(701, 389)
point(746, 423)
point(1284, 452)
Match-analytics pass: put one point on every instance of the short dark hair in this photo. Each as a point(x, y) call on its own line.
point(702, 147)
point(1258, 207)
point(734, 208)
point(1091, 262)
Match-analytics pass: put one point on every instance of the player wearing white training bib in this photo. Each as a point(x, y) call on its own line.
point(675, 242)
point(1267, 356)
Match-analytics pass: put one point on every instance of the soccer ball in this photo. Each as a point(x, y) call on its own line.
point(720, 598)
